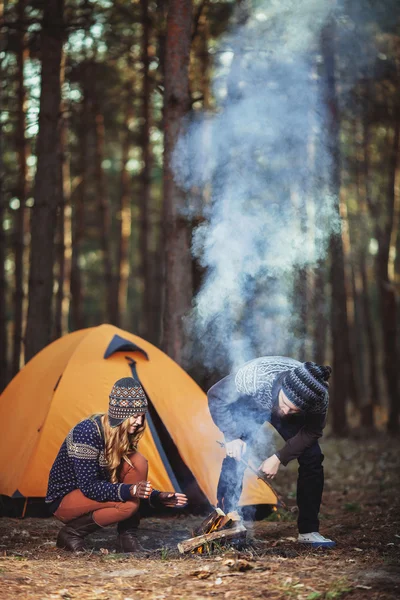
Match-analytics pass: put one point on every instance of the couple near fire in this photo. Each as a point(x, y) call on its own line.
point(99, 478)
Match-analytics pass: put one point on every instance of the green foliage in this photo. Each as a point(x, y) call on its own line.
point(281, 515)
point(336, 590)
point(352, 507)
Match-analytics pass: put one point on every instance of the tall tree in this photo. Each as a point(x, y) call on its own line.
point(384, 230)
point(47, 188)
point(64, 249)
point(148, 317)
point(78, 212)
point(387, 293)
point(124, 215)
point(19, 225)
point(342, 367)
point(177, 232)
point(104, 211)
point(3, 281)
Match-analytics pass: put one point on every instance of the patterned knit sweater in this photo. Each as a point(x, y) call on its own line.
point(80, 464)
point(256, 384)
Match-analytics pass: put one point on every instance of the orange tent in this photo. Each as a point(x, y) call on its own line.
point(71, 378)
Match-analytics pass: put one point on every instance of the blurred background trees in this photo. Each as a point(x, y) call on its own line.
point(93, 226)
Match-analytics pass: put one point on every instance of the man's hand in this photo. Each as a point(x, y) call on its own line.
point(270, 466)
point(142, 489)
point(235, 449)
point(172, 499)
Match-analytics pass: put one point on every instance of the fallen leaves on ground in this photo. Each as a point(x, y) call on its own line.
point(361, 511)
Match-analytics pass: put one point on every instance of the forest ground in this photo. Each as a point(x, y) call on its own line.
point(361, 511)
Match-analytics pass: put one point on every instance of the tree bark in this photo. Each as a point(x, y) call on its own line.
point(124, 221)
point(78, 223)
point(3, 246)
point(105, 217)
point(342, 367)
point(372, 395)
point(177, 232)
point(148, 317)
point(64, 241)
point(47, 189)
point(387, 293)
point(20, 217)
point(3, 281)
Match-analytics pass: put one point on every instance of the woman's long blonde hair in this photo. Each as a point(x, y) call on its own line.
point(119, 443)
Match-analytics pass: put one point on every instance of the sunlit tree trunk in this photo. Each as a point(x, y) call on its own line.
point(319, 306)
point(124, 221)
point(105, 217)
point(20, 216)
point(78, 222)
point(373, 394)
point(3, 246)
point(64, 241)
point(385, 234)
point(178, 263)
point(372, 397)
point(387, 291)
point(341, 359)
point(3, 281)
point(47, 188)
point(146, 254)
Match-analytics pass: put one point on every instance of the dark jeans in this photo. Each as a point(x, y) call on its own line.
point(310, 480)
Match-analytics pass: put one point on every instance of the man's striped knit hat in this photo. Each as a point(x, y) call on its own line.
point(127, 398)
point(307, 387)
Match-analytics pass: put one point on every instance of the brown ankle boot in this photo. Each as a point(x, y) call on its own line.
point(127, 540)
point(71, 536)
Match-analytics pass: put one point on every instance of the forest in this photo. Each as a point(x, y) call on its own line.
point(219, 177)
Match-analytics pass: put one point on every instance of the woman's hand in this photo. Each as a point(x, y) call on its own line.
point(270, 466)
point(172, 499)
point(142, 489)
point(235, 449)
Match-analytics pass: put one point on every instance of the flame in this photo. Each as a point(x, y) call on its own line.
point(215, 525)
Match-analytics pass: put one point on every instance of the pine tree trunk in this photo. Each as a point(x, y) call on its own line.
point(177, 231)
point(3, 247)
point(64, 240)
point(320, 312)
point(78, 223)
point(387, 293)
point(372, 395)
point(124, 223)
point(148, 318)
point(47, 189)
point(105, 217)
point(367, 413)
point(3, 281)
point(339, 322)
point(20, 217)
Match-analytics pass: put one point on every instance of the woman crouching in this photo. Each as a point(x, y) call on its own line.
point(99, 478)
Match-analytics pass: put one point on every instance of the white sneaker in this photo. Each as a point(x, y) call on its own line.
point(315, 540)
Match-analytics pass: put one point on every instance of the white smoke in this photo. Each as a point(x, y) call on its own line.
point(262, 159)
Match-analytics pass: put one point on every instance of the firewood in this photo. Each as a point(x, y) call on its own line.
point(234, 534)
point(210, 522)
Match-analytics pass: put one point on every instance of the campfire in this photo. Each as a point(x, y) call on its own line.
point(218, 528)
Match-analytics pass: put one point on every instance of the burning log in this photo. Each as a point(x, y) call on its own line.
point(217, 527)
point(216, 520)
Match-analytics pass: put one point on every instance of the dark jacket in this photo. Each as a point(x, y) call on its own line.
point(249, 397)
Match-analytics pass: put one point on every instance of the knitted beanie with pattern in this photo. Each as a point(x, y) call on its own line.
point(127, 398)
point(307, 387)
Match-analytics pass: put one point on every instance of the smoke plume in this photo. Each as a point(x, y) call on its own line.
point(261, 158)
